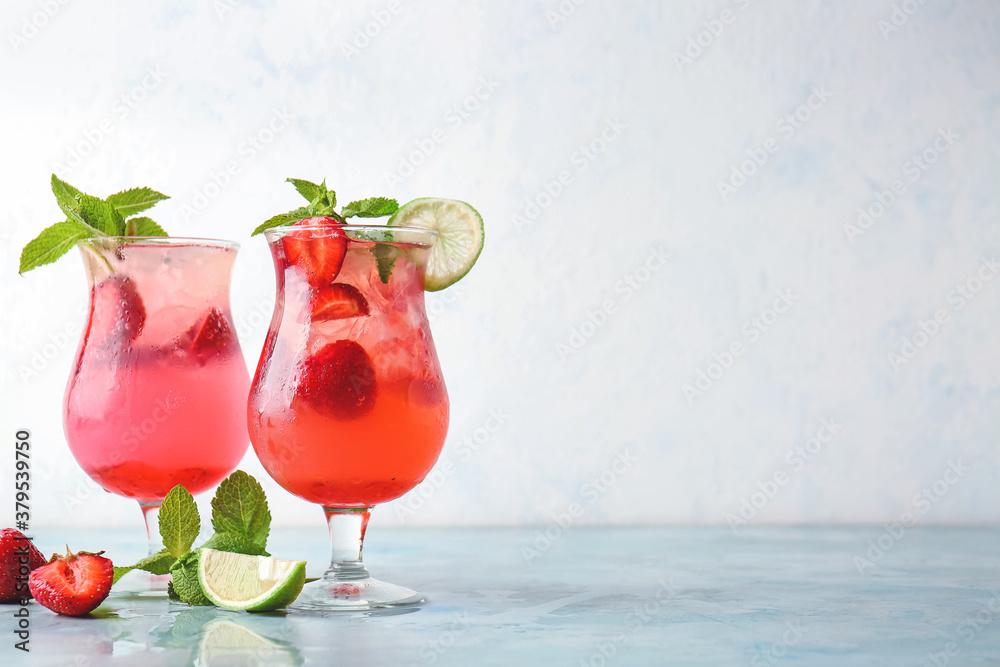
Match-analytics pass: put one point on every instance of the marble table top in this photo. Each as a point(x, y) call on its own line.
point(577, 596)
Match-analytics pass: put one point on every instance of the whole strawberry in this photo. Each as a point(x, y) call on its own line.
point(74, 584)
point(18, 557)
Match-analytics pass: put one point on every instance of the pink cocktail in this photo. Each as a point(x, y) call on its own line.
point(156, 395)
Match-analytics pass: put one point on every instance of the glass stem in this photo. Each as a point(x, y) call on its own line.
point(151, 513)
point(347, 539)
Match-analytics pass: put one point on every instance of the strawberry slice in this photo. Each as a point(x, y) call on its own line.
point(18, 556)
point(74, 584)
point(118, 312)
point(211, 335)
point(338, 301)
point(319, 253)
point(339, 380)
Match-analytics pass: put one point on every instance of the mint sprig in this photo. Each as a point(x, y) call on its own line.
point(322, 204)
point(240, 509)
point(90, 217)
point(240, 517)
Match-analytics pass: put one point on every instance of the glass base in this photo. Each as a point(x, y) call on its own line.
point(142, 584)
point(354, 595)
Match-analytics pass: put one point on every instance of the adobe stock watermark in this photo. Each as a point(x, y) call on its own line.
point(437, 303)
point(926, 330)
point(752, 330)
point(445, 640)
point(580, 160)
point(131, 439)
point(223, 7)
point(48, 349)
point(363, 35)
point(248, 149)
point(922, 502)
point(636, 620)
point(121, 108)
point(624, 289)
point(913, 169)
point(562, 12)
point(795, 460)
point(966, 632)
point(445, 468)
point(34, 23)
point(454, 117)
point(590, 492)
point(701, 41)
point(778, 649)
point(256, 319)
point(787, 126)
point(900, 16)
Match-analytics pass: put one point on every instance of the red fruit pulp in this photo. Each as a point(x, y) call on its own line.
point(18, 557)
point(339, 380)
point(318, 253)
point(118, 312)
point(337, 301)
point(74, 584)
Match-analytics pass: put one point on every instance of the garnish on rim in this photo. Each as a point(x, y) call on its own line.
point(89, 217)
point(322, 204)
point(459, 229)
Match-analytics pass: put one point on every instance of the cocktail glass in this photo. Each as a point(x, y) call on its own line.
point(155, 398)
point(348, 408)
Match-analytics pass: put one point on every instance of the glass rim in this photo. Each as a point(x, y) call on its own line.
point(162, 240)
point(282, 230)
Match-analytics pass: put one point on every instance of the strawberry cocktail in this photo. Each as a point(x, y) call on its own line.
point(155, 395)
point(348, 408)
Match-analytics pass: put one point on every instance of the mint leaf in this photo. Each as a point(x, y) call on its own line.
point(179, 521)
point(90, 217)
point(385, 259)
point(143, 226)
point(67, 197)
point(132, 201)
point(53, 243)
point(289, 218)
point(235, 543)
point(184, 579)
point(158, 563)
point(102, 216)
point(374, 207)
point(323, 204)
point(308, 190)
point(240, 507)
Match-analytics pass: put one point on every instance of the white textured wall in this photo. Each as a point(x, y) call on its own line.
point(596, 117)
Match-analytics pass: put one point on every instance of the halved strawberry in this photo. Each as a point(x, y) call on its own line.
point(211, 334)
point(18, 557)
point(319, 253)
point(74, 584)
point(118, 312)
point(339, 380)
point(337, 301)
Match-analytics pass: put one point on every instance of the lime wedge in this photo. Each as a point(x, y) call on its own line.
point(249, 583)
point(460, 237)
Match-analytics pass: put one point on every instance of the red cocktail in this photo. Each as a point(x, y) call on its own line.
point(348, 408)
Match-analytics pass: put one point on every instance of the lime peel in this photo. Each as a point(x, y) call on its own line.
point(460, 237)
point(249, 583)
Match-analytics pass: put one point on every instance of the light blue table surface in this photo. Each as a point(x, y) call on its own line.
point(624, 596)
